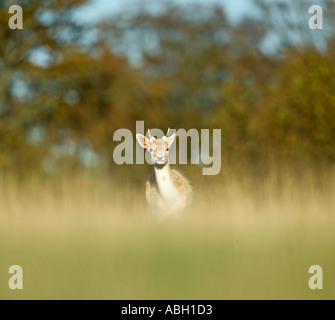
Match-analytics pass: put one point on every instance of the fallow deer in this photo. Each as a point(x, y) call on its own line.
point(167, 190)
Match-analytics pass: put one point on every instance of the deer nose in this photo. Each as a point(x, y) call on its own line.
point(160, 158)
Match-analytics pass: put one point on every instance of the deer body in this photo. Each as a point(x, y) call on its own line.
point(167, 190)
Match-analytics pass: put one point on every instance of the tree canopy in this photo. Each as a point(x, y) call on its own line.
point(65, 87)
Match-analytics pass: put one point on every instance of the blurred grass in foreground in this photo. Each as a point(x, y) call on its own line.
point(84, 238)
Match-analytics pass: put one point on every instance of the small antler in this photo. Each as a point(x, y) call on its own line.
point(167, 134)
point(149, 133)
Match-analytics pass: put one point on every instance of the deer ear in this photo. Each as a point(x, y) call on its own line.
point(171, 140)
point(142, 140)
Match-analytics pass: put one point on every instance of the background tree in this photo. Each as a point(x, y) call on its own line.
point(265, 80)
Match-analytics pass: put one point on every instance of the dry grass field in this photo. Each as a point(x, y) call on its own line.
point(85, 238)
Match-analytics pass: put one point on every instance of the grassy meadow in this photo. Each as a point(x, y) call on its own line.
point(83, 237)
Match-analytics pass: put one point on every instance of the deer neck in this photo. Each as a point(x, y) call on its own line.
point(167, 189)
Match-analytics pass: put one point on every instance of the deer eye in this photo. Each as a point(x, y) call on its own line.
point(150, 149)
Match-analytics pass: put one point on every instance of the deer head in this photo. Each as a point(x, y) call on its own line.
point(158, 148)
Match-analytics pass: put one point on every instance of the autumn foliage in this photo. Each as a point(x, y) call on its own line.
point(65, 87)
